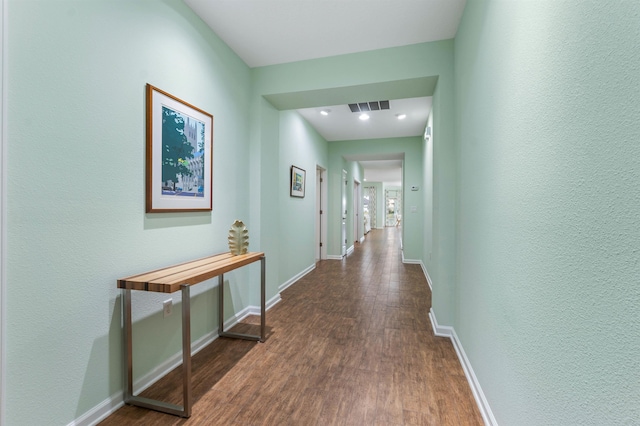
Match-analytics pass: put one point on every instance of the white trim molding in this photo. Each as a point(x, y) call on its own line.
point(100, 411)
point(269, 304)
point(350, 250)
point(295, 278)
point(410, 261)
point(476, 389)
point(426, 274)
point(334, 257)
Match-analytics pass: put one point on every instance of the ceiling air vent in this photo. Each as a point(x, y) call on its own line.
point(369, 106)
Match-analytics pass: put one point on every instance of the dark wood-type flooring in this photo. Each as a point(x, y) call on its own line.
point(349, 344)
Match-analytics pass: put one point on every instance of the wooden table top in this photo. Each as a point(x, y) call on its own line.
point(168, 280)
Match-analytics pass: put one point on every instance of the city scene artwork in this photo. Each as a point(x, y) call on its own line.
point(179, 160)
point(182, 155)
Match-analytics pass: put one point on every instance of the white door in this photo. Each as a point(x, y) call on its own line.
point(320, 224)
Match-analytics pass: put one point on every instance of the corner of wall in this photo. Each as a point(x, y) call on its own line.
point(474, 384)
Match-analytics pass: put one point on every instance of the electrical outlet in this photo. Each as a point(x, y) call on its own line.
point(167, 307)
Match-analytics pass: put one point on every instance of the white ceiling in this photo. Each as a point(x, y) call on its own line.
point(268, 32)
point(341, 124)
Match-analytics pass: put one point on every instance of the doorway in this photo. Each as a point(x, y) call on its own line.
point(369, 209)
point(356, 211)
point(321, 222)
point(343, 239)
point(393, 202)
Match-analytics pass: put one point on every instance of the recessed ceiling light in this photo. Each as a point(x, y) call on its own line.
point(325, 111)
point(364, 117)
point(401, 116)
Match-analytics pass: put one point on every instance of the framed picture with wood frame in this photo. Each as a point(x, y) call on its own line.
point(179, 157)
point(298, 177)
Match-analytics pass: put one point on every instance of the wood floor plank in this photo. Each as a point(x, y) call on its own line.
point(349, 344)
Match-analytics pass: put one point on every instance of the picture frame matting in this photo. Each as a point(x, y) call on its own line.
point(179, 155)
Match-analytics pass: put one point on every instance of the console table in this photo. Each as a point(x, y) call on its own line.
point(169, 280)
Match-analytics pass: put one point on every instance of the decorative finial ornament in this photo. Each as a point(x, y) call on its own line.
point(238, 238)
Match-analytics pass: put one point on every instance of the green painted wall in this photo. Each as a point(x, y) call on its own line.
point(265, 186)
point(302, 146)
point(76, 222)
point(547, 107)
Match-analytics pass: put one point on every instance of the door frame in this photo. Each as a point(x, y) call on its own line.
point(357, 208)
point(343, 213)
point(320, 248)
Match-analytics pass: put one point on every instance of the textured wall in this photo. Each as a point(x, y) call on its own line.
point(76, 221)
point(547, 107)
point(302, 146)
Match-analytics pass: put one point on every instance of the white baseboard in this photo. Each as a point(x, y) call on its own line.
point(334, 257)
point(362, 240)
point(350, 250)
point(426, 274)
point(165, 368)
point(269, 304)
point(100, 411)
point(476, 389)
point(411, 261)
point(115, 401)
point(251, 310)
point(296, 278)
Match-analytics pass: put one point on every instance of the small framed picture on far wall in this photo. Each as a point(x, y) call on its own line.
point(298, 177)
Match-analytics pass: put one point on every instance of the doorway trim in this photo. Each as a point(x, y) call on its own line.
point(343, 229)
point(357, 208)
point(321, 214)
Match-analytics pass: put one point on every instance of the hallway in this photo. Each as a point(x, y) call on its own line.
point(350, 343)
